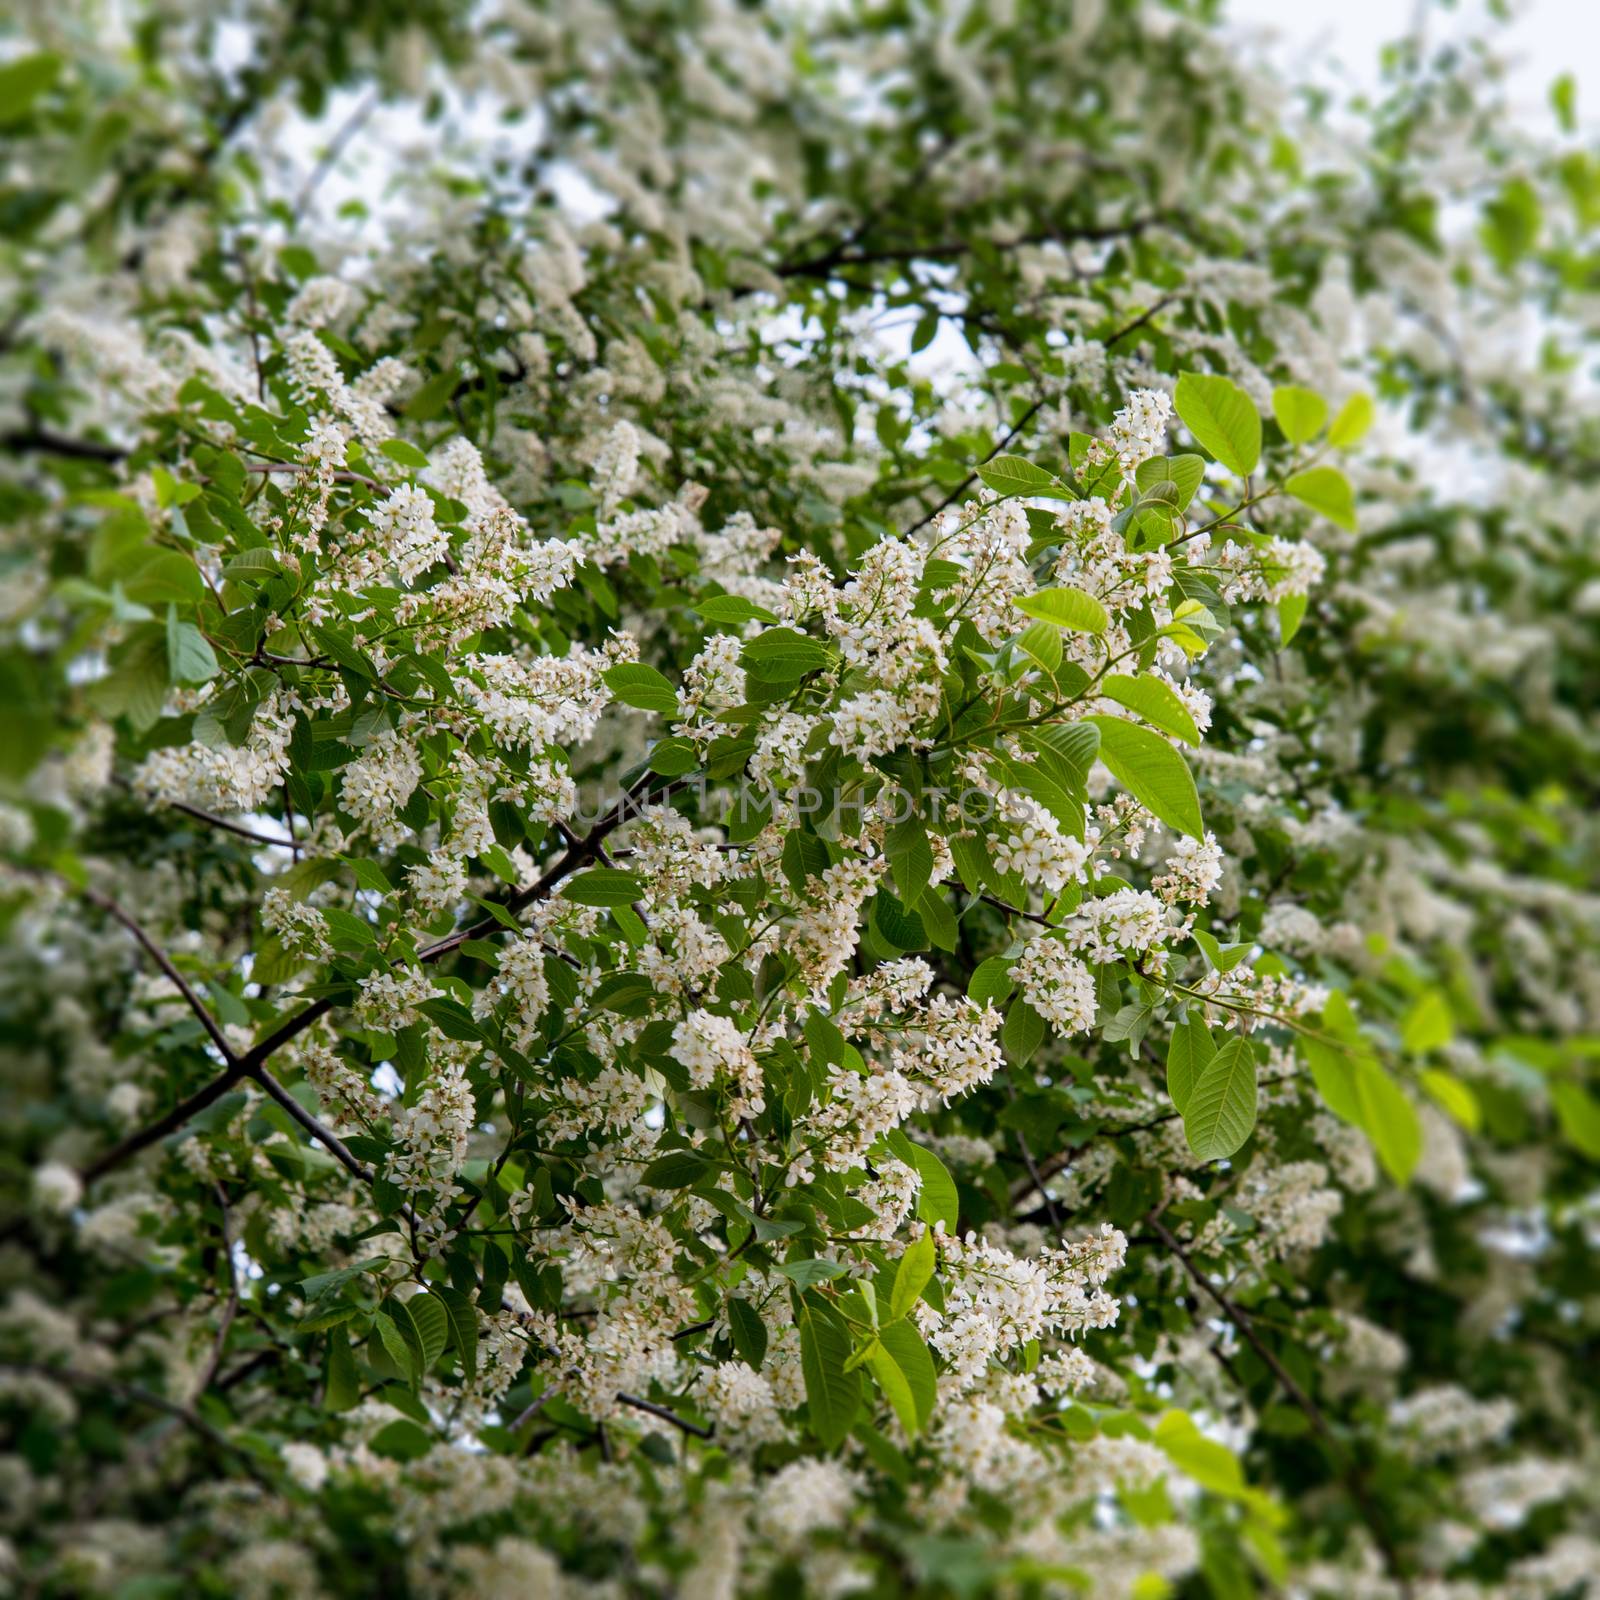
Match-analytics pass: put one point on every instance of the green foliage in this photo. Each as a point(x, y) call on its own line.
point(652, 949)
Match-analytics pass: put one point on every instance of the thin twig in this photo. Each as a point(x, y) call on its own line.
point(162, 960)
point(230, 1308)
point(252, 1063)
point(337, 146)
point(665, 1415)
point(213, 820)
point(136, 1394)
point(1349, 1471)
point(1027, 416)
point(326, 1137)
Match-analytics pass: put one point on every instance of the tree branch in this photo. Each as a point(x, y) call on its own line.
point(252, 1063)
point(162, 960)
point(665, 1415)
point(170, 1122)
point(49, 443)
point(1349, 1472)
point(213, 820)
point(230, 1308)
point(135, 1394)
point(326, 1137)
point(1028, 416)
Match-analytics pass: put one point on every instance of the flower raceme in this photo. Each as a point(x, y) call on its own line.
point(657, 1115)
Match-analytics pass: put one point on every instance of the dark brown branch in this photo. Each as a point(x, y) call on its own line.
point(1349, 1471)
point(47, 442)
point(1033, 410)
point(212, 820)
point(326, 1137)
point(665, 1415)
point(135, 1394)
point(161, 959)
point(252, 1063)
point(168, 1123)
point(230, 1307)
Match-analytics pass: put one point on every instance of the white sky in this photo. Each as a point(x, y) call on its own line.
point(1340, 39)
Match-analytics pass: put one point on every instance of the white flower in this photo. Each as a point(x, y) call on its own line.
point(57, 1188)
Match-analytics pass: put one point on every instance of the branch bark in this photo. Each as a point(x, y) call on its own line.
point(164, 962)
point(1349, 1471)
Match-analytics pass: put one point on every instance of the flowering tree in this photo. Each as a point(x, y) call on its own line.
point(815, 816)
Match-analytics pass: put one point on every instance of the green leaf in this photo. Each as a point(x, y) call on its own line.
point(342, 1387)
point(673, 757)
point(463, 1327)
point(1511, 221)
point(896, 925)
point(404, 1352)
point(1066, 607)
point(901, 1365)
point(912, 1274)
point(1454, 1097)
point(1291, 613)
point(1014, 475)
point(1221, 1113)
point(258, 564)
point(1389, 1118)
point(733, 609)
point(1326, 490)
point(1300, 412)
point(678, 1169)
point(808, 1272)
point(167, 575)
point(911, 1355)
point(1355, 417)
point(1213, 1466)
point(1152, 772)
point(910, 858)
point(1185, 473)
point(991, 980)
point(804, 856)
point(635, 684)
point(833, 1395)
point(748, 1332)
point(190, 659)
point(783, 656)
point(1428, 1025)
point(432, 397)
point(405, 453)
point(1333, 1072)
point(1221, 417)
point(1023, 1031)
point(1042, 642)
point(432, 1324)
point(22, 82)
point(1188, 1055)
point(937, 1200)
point(1156, 701)
point(402, 1440)
point(1579, 1115)
point(602, 886)
point(324, 1283)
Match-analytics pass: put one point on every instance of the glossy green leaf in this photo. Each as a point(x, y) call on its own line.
point(1300, 412)
point(1222, 418)
point(1155, 700)
point(1325, 490)
point(1152, 772)
point(1221, 1110)
point(1067, 608)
